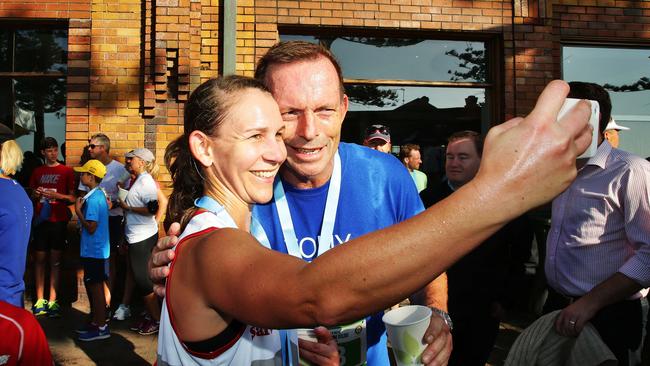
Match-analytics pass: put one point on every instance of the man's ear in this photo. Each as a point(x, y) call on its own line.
point(200, 148)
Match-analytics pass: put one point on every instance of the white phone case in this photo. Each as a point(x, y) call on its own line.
point(593, 121)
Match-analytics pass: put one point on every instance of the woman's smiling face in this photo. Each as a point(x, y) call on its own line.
point(248, 147)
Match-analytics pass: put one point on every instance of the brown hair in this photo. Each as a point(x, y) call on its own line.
point(295, 51)
point(405, 151)
point(208, 106)
point(467, 134)
point(595, 92)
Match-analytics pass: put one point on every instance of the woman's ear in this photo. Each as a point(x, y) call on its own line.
point(200, 148)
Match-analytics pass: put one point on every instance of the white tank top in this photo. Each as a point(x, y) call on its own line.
point(248, 346)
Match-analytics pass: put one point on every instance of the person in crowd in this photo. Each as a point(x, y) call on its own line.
point(612, 133)
point(307, 84)
point(52, 186)
point(124, 310)
point(141, 230)
point(31, 161)
point(478, 282)
point(16, 213)
point(409, 155)
point(99, 147)
point(23, 341)
point(92, 213)
point(598, 246)
point(222, 281)
point(377, 137)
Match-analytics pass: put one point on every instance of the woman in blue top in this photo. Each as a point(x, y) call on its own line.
point(15, 221)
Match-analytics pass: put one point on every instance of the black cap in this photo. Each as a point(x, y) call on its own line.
point(5, 133)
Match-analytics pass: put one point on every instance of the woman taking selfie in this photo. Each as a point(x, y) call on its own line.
point(226, 293)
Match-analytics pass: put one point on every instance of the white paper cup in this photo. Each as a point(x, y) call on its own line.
point(406, 327)
point(121, 193)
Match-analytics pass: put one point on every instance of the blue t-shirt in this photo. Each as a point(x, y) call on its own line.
point(16, 213)
point(95, 245)
point(376, 192)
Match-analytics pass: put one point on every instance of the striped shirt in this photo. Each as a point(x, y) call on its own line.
point(601, 224)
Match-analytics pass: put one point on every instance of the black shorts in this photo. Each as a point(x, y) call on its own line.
point(50, 236)
point(95, 270)
point(116, 232)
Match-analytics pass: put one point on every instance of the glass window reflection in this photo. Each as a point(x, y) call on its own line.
point(39, 110)
point(5, 56)
point(406, 58)
point(41, 50)
point(422, 115)
point(625, 73)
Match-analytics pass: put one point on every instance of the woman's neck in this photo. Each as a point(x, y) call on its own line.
point(239, 210)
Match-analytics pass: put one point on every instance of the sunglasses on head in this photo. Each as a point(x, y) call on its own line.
point(378, 128)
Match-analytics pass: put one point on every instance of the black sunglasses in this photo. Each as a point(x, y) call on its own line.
point(92, 146)
point(378, 128)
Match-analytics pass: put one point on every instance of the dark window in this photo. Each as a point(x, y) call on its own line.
point(33, 67)
point(423, 89)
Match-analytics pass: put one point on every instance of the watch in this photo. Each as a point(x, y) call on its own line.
point(445, 316)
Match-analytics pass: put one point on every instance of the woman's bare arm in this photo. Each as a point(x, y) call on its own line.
point(526, 163)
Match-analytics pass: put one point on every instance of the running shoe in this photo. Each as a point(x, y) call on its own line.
point(53, 309)
point(95, 333)
point(122, 312)
point(149, 327)
point(136, 326)
point(40, 308)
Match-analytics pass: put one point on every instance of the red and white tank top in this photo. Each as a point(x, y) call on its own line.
point(242, 344)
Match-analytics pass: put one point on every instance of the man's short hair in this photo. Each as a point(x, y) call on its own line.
point(467, 134)
point(103, 140)
point(592, 91)
point(295, 51)
point(48, 142)
point(405, 150)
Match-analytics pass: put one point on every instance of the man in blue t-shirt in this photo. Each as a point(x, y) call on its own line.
point(334, 191)
point(92, 212)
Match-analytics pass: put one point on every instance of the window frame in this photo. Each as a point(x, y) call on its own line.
point(494, 91)
point(7, 77)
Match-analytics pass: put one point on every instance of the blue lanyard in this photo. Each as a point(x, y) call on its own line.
point(284, 214)
point(210, 204)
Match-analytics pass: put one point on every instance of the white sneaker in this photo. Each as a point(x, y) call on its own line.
point(122, 312)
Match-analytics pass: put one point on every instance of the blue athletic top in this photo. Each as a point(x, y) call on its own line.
point(376, 191)
point(96, 245)
point(16, 213)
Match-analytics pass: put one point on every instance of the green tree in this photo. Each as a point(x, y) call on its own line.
point(472, 65)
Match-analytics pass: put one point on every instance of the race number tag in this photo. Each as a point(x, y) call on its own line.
point(351, 339)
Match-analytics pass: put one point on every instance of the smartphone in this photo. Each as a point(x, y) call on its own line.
point(569, 103)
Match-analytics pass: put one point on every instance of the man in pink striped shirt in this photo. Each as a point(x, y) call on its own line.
point(598, 247)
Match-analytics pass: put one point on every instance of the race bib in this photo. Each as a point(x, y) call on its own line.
point(351, 340)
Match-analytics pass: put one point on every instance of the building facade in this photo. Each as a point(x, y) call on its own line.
point(425, 68)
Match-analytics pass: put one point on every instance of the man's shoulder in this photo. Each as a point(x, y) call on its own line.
point(623, 162)
point(419, 173)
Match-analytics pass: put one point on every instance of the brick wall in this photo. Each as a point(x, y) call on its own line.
point(132, 63)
